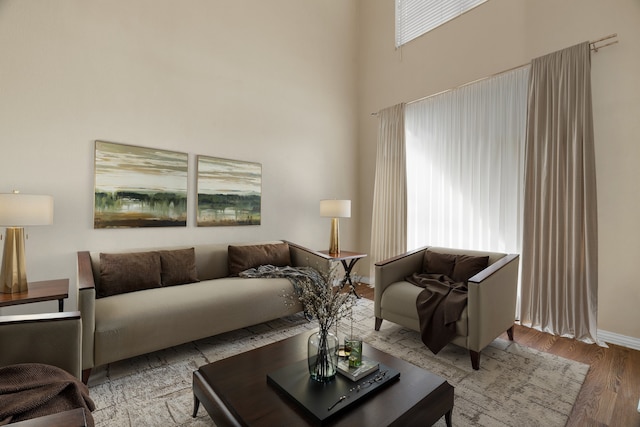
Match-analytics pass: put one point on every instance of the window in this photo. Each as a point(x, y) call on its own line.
point(465, 165)
point(416, 17)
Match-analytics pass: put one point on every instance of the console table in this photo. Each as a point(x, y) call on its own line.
point(46, 290)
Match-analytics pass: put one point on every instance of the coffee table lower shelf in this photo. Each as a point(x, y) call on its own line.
point(235, 392)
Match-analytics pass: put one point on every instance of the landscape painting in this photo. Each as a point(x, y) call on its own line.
point(139, 187)
point(229, 192)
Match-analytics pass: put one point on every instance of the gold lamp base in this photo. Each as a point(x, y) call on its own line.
point(334, 242)
point(14, 272)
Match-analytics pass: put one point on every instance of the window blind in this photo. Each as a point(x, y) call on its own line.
point(416, 17)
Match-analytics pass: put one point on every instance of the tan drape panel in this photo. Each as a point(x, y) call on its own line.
point(389, 218)
point(560, 237)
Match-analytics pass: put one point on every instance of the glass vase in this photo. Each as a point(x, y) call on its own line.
point(322, 356)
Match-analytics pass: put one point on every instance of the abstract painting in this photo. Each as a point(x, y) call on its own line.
point(229, 192)
point(139, 187)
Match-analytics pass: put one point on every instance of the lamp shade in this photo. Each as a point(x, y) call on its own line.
point(332, 208)
point(18, 210)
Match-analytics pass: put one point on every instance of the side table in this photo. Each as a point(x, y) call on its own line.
point(46, 290)
point(348, 260)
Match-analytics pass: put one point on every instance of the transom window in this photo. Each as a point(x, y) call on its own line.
point(417, 17)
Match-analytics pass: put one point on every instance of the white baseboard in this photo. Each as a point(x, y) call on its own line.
point(617, 339)
point(365, 279)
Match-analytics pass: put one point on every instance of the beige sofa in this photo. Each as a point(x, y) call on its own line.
point(491, 299)
point(124, 325)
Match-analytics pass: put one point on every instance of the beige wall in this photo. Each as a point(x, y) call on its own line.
point(497, 36)
point(269, 82)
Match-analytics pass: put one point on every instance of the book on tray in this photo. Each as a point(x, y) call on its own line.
point(355, 373)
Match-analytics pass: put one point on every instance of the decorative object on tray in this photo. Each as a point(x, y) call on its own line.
point(352, 349)
point(367, 366)
point(354, 346)
point(321, 298)
point(322, 356)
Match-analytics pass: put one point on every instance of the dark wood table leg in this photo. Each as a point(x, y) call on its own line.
point(347, 275)
point(61, 305)
point(196, 405)
point(213, 404)
point(447, 418)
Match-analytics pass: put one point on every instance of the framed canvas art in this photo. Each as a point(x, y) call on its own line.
point(139, 187)
point(229, 192)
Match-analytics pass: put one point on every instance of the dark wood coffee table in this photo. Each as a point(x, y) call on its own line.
point(235, 392)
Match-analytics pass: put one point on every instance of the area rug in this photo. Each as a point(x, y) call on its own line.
point(515, 386)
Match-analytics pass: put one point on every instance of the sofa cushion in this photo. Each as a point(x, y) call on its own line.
point(438, 263)
point(243, 257)
point(397, 300)
point(467, 266)
point(178, 266)
point(142, 322)
point(128, 272)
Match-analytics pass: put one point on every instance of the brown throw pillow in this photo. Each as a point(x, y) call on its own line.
point(437, 263)
point(468, 266)
point(178, 266)
point(243, 257)
point(128, 272)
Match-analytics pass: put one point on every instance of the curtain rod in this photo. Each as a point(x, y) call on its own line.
point(610, 36)
point(592, 45)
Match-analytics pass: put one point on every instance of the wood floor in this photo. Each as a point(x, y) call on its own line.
point(610, 393)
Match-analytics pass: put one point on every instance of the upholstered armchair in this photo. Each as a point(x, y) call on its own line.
point(52, 339)
point(491, 297)
point(41, 366)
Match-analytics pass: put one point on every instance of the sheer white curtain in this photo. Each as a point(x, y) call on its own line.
point(560, 251)
point(389, 220)
point(465, 165)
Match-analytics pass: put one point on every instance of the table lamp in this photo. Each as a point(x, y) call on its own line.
point(16, 211)
point(335, 209)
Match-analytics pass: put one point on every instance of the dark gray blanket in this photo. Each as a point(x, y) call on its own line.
point(439, 306)
point(31, 390)
point(294, 274)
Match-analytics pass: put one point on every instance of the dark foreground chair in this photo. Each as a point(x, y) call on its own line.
point(41, 366)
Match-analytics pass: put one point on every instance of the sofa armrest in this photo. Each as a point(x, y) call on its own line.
point(492, 301)
point(87, 306)
point(305, 257)
point(394, 270)
point(85, 271)
point(51, 338)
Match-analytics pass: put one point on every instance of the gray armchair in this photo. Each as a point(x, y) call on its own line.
point(52, 339)
point(491, 298)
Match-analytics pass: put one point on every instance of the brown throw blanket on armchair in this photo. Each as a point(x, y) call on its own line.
point(439, 306)
point(31, 390)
